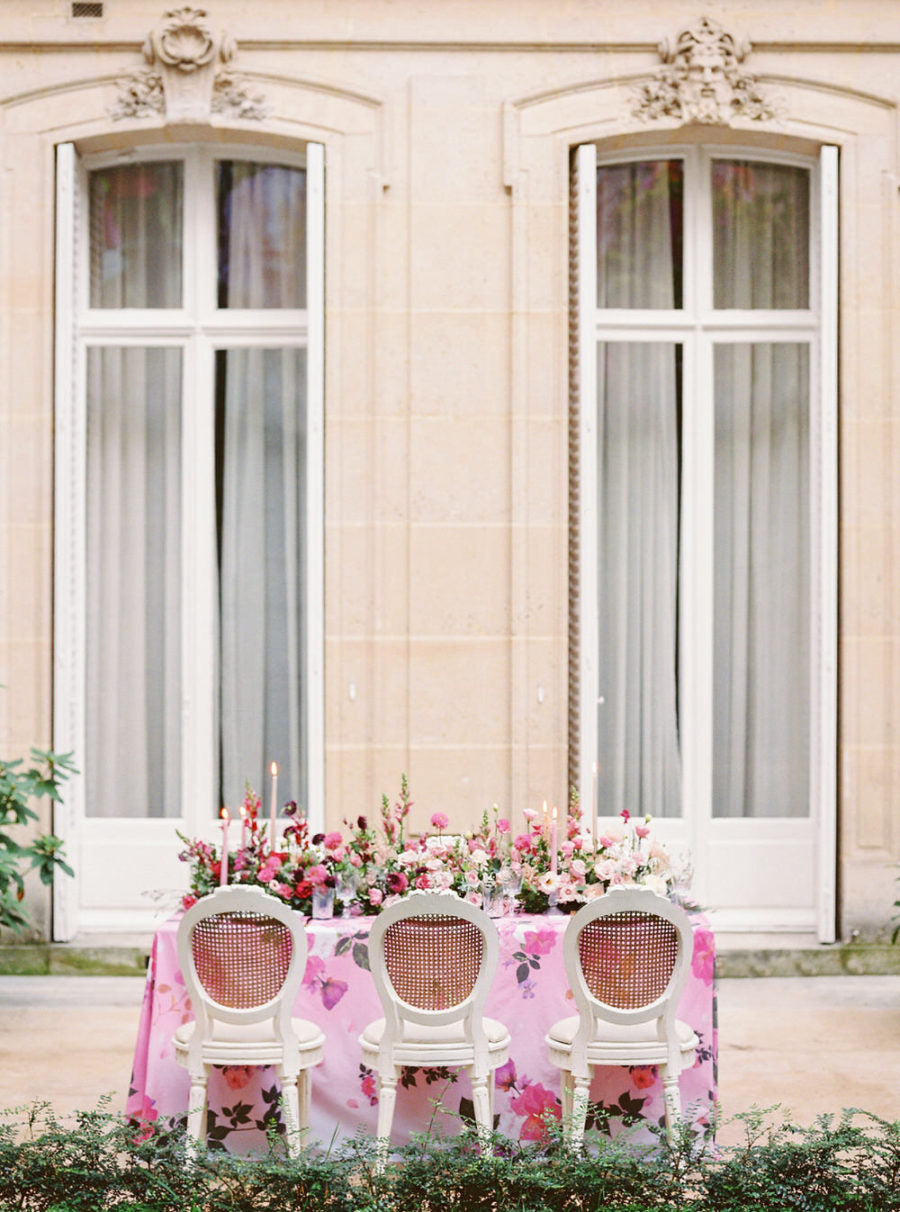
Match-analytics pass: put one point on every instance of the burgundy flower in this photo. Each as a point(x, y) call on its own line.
point(397, 882)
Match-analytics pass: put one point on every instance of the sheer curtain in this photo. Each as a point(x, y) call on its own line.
point(639, 249)
point(261, 442)
point(133, 522)
point(761, 691)
point(133, 662)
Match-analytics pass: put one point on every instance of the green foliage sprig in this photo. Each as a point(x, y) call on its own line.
point(20, 784)
point(103, 1163)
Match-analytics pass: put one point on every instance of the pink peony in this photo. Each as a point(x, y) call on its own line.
point(332, 840)
point(439, 820)
point(317, 875)
point(522, 842)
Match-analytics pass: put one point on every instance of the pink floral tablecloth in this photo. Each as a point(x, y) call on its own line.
point(530, 992)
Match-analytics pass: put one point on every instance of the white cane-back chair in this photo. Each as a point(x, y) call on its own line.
point(627, 956)
point(433, 957)
point(243, 955)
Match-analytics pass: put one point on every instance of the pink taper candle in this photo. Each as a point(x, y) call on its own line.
point(272, 810)
point(223, 866)
point(553, 843)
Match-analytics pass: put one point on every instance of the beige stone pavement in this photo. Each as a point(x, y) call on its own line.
point(810, 1044)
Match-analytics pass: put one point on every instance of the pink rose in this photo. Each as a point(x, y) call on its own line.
point(332, 840)
point(503, 825)
point(376, 896)
point(703, 961)
point(643, 1076)
point(539, 942)
point(568, 849)
point(355, 860)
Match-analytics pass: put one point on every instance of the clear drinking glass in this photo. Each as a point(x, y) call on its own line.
point(346, 890)
point(323, 902)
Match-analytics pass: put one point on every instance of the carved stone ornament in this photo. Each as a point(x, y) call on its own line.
point(702, 80)
point(186, 79)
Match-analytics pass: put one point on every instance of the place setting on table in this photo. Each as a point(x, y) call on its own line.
point(525, 888)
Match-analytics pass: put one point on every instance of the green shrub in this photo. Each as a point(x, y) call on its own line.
point(102, 1163)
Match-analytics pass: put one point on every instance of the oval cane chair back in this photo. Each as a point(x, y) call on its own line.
point(627, 955)
point(433, 957)
point(242, 954)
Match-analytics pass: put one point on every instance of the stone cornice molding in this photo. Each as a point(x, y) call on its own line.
point(187, 77)
point(702, 81)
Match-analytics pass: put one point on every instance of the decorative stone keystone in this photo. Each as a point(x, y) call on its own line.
point(186, 78)
point(702, 80)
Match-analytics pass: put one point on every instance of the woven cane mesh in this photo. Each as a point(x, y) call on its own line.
point(628, 958)
point(433, 960)
point(241, 958)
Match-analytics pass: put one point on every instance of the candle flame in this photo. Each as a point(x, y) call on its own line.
point(274, 768)
point(243, 811)
point(224, 814)
point(554, 812)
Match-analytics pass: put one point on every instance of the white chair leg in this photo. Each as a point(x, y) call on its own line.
point(387, 1097)
point(672, 1099)
point(580, 1095)
point(196, 1128)
point(304, 1084)
point(566, 1091)
point(481, 1103)
point(291, 1111)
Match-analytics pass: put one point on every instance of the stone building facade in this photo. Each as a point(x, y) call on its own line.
point(472, 179)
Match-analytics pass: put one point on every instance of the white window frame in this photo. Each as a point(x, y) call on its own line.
point(818, 327)
point(199, 328)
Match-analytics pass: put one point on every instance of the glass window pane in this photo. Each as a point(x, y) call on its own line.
point(261, 520)
point(638, 507)
point(639, 234)
point(133, 670)
point(760, 235)
point(261, 234)
point(136, 235)
point(761, 705)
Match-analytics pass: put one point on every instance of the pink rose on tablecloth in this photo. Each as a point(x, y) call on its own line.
point(703, 961)
point(236, 1076)
point(143, 1118)
point(539, 942)
point(505, 1076)
point(315, 966)
point(535, 1102)
point(643, 1076)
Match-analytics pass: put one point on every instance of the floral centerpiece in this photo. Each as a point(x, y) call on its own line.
point(370, 868)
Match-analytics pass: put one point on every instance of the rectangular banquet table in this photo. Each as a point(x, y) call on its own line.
point(530, 992)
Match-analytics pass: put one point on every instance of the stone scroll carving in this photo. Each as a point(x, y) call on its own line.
point(702, 81)
point(187, 77)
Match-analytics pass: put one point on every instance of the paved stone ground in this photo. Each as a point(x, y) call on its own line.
point(812, 1045)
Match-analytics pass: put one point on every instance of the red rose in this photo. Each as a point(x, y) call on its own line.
point(303, 890)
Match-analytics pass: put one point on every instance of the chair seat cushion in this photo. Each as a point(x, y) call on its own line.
point(447, 1034)
point(250, 1035)
point(641, 1036)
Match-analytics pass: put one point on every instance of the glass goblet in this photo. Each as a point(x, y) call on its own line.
point(346, 890)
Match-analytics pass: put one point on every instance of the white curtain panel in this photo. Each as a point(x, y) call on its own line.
point(638, 501)
point(133, 661)
point(261, 470)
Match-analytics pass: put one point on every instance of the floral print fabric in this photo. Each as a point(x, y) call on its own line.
point(529, 994)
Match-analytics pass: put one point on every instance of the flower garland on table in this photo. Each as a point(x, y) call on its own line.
point(372, 868)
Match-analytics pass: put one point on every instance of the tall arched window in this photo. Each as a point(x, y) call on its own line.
point(189, 569)
point(707, 492)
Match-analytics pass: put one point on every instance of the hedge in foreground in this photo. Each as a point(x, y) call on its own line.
point(848, 1163)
